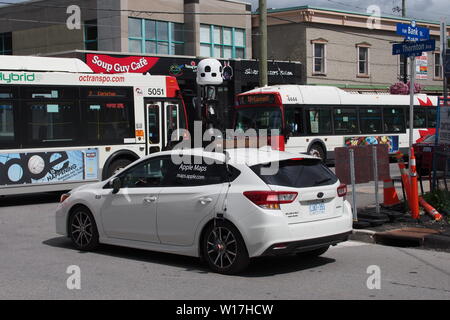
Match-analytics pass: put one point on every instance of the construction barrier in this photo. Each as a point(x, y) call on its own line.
point(390, 194)
point(430, 210)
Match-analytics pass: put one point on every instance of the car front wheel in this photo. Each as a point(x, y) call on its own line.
point(224, 249)
point(83, 230)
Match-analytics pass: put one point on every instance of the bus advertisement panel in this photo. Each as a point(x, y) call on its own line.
point(48, 167)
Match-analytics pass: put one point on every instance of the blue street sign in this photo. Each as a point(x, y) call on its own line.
point(413, 48)
point(412, 32)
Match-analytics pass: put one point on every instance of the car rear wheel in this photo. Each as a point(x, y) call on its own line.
point(224, 249)
point(313, 253)
point(83, 230)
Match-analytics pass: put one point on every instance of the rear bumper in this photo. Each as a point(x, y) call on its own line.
point(305, 245)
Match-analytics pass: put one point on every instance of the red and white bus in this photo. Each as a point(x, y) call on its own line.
point(317, 119)
point(62, 125)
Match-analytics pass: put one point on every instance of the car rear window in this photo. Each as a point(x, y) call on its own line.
point(297, 173)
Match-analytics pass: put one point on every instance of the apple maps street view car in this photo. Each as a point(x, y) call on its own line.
point(224, 207)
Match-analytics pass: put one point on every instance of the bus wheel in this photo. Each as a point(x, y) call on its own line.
point(117, 166)
point(317, 151)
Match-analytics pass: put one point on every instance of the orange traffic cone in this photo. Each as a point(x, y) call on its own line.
point(430, 210)
point(413, 187)
point(390, 194)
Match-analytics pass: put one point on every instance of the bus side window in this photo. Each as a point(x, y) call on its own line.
point(370, 120)
point(345, 120)
point(294, 120)
point(393, 119)
point(431, 115)
point(319, 121)
point(419, 118)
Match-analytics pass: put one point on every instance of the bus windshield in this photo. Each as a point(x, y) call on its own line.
point(258, 118)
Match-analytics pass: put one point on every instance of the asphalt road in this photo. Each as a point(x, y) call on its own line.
point(34, 261)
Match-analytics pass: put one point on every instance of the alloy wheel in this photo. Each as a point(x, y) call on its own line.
point(81, 229)
point(222, 247)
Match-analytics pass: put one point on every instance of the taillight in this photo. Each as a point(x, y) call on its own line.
point(342, 190)
point(64, 196)
point(270, 199)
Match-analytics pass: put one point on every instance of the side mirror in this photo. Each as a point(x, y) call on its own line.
point(115, 183)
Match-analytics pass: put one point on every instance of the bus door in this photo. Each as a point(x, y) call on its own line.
point(172, 120)
point(162, 119)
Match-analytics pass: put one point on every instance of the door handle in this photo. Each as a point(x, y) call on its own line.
point(150, 199)
point(205, 200)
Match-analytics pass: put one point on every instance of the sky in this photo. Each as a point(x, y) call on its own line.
point(432, 10)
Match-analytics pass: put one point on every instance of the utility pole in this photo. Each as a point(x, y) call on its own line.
point(404, 58)
point(262, 43)
point(443, 60)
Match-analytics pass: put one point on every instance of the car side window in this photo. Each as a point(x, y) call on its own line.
point(146, 174)
point(195, 171)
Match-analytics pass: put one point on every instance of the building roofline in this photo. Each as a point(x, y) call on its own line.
point(237, 1)
point(307, 7)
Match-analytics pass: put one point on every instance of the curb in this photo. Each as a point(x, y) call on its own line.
point(363, 235)
point(432, 241)
point(437, 241)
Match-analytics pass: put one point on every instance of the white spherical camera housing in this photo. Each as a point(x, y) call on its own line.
point(209, 72)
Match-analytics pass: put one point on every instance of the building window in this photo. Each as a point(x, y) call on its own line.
point(437, 65)
point(152, 36)
point(222, 42)
point(6, 43)
point(319, 58)
point(363, 61)
point(90, 35)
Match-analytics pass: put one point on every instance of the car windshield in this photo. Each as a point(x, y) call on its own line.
point(302, 173)
point(258, 118)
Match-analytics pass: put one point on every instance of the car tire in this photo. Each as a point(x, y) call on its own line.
point(313, 253)
point(83, 229)
point(317, 150)
point(224, 248)
point(116, 166)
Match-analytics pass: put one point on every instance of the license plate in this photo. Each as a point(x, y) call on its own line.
point(317, 208)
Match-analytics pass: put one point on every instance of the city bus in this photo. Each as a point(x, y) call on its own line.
point(317, 119)
point(61, 125)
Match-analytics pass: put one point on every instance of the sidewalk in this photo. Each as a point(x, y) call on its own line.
point(404, 232)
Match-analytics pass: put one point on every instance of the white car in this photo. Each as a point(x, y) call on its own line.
point(223, 207)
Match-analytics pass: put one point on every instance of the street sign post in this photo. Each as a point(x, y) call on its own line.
point(412, 48)
point(447, 63)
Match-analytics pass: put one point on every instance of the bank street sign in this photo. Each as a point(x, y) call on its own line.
point(412, 32)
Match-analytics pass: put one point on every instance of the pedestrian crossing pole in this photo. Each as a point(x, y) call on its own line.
point(412, 72)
